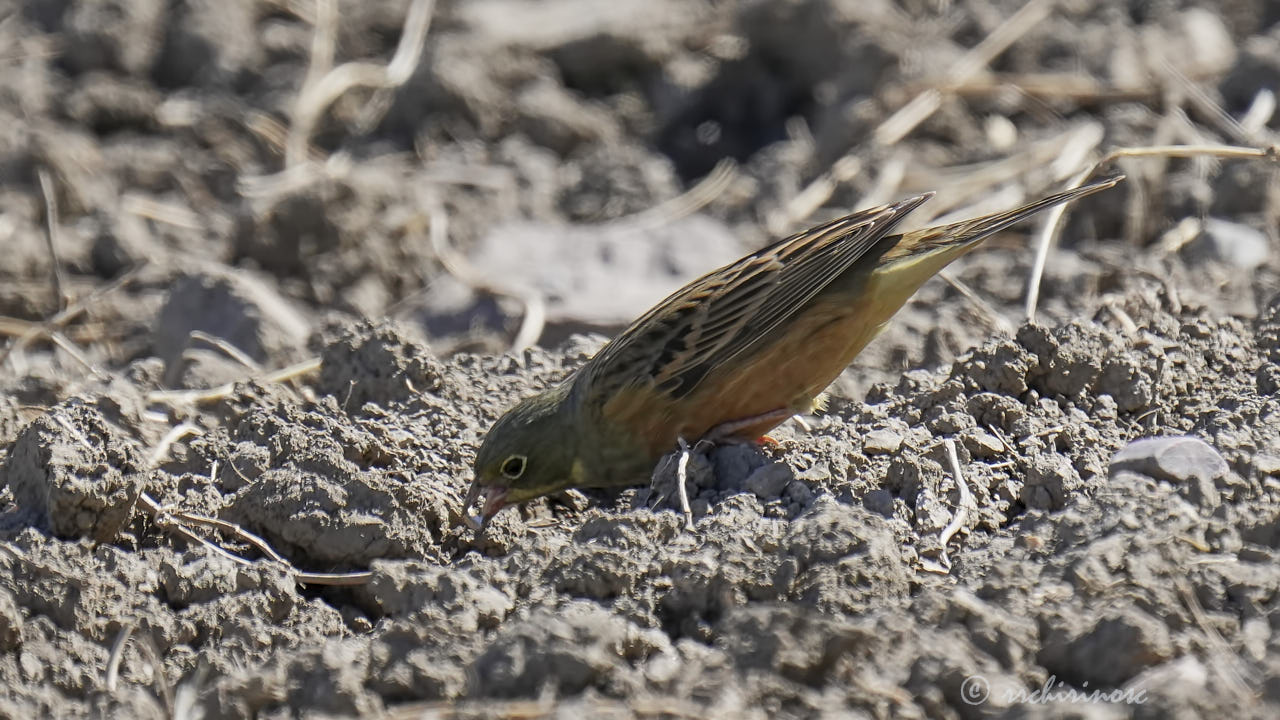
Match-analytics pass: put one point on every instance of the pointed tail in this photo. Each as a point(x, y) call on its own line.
point(967, 233)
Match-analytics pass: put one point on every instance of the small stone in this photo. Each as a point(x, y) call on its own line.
point(881, 442)
point(573, 499)
point(1232, 243)
point(1189, 463)
point(1258, 554)
point(879, 501)
point(1268, 379)
point(769, 481)
point(982, 444)
point(800, 494)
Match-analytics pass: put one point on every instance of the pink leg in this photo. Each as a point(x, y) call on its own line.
point(723, 432)
point(727, 430)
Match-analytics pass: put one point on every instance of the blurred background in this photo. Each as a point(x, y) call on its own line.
point(497, 173)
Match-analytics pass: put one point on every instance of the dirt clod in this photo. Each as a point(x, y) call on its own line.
point(1188, 462)
point(72, 472)
point(1111, 523)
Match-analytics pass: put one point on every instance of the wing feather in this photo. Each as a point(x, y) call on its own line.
point(713, 319)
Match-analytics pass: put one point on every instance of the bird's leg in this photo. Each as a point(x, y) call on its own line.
point(730, 430)
point(682, 474)
point(724, 432)
point(682, 478)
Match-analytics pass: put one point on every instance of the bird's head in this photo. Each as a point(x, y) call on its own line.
point(530, 452)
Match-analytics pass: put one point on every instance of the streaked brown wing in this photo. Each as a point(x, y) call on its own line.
point(711, 320)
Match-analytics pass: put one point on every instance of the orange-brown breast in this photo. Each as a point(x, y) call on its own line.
point(784, 371)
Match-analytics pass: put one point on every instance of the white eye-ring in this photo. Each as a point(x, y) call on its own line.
point(513, 467)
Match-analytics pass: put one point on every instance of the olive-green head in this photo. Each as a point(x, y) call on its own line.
point(530, 452)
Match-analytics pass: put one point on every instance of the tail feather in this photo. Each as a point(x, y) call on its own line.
point(971, 232)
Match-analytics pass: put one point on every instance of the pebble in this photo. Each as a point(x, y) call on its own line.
point(769, 481)
point(981, 443)
point(879, 501)
point(881, 442)
point(1172, 458)
point(1188, 462)
point(1233, 243)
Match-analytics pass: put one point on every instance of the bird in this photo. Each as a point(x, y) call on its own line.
point(729, 356)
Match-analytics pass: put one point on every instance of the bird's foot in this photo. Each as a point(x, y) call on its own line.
point(676, 464)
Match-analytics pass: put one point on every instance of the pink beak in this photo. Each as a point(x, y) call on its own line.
point(495, 498)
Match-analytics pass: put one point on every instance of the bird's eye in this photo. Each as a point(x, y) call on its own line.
point(513, 467)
